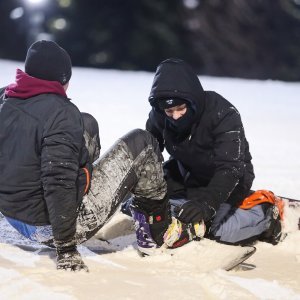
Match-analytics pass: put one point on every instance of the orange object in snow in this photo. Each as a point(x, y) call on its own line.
point(263, 196)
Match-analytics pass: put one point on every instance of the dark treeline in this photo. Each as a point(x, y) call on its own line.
point(248, 39)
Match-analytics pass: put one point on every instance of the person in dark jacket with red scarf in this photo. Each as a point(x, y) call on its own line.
point(210, 171)
point(47, 148)
point(44, 164)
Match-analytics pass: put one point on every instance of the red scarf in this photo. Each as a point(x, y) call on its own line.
point(27, 86)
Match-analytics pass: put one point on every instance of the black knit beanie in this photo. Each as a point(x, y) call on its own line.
point(170, 102)
point(48, 61)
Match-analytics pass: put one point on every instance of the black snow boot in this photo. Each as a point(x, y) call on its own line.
point(273, 234)
point(155, 226)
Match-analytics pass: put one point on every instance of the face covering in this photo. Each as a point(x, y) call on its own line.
point(184, 124)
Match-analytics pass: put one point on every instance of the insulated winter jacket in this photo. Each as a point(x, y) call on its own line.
point(41, 153)
point(214, 156)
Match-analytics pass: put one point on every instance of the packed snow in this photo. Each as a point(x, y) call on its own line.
point(118, 100)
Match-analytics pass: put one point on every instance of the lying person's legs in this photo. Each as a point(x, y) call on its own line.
point(236, 226)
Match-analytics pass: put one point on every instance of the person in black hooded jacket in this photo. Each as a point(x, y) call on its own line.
point(210, 171)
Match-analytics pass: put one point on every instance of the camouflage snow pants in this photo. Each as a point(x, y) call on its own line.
point(133, 164)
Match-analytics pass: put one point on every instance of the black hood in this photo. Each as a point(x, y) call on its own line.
point(175, 78)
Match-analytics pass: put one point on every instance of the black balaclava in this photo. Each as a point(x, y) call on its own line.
point(183, 125)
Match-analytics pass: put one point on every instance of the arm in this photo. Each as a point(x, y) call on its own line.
point(61, 148)
point(229, 155)
point(229, 152)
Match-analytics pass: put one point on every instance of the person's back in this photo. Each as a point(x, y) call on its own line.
point(41, 143)
point(25, 126)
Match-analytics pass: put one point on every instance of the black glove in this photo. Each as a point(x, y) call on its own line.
point(189, 212)
point(68, 258)
point(194, 211)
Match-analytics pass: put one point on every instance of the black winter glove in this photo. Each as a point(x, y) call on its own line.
point(189, 212)
point(193, 212)
point(68, 258)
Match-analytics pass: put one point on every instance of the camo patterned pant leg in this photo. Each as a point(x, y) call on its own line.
point(133, 164)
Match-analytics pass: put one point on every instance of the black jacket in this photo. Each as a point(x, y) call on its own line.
point(41, 153)
point(215, 152)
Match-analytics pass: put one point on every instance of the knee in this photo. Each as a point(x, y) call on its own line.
point(138, 139)
point(91, 136)
point(90, 124)
point(139, 135)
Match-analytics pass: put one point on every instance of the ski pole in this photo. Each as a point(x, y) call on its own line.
point(290, 199)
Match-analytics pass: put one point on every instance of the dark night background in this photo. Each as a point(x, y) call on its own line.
point(248, 39)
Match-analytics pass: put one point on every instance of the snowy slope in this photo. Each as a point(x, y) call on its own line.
point(118, 100)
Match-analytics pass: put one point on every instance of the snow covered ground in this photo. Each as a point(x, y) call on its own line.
point(270, 112)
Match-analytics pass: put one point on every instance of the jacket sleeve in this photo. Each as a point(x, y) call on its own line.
point(229, 152)
point(155, 125)
point(61, 148)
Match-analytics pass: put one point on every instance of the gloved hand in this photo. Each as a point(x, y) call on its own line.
point(190, 212)
point(68, 258)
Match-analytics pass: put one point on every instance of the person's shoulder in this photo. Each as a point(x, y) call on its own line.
point(57, 102)
point(63, 113)
point(50, 107)
point(53, 98)
point(218, 108)
point(216, 102)
point(215, 98)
